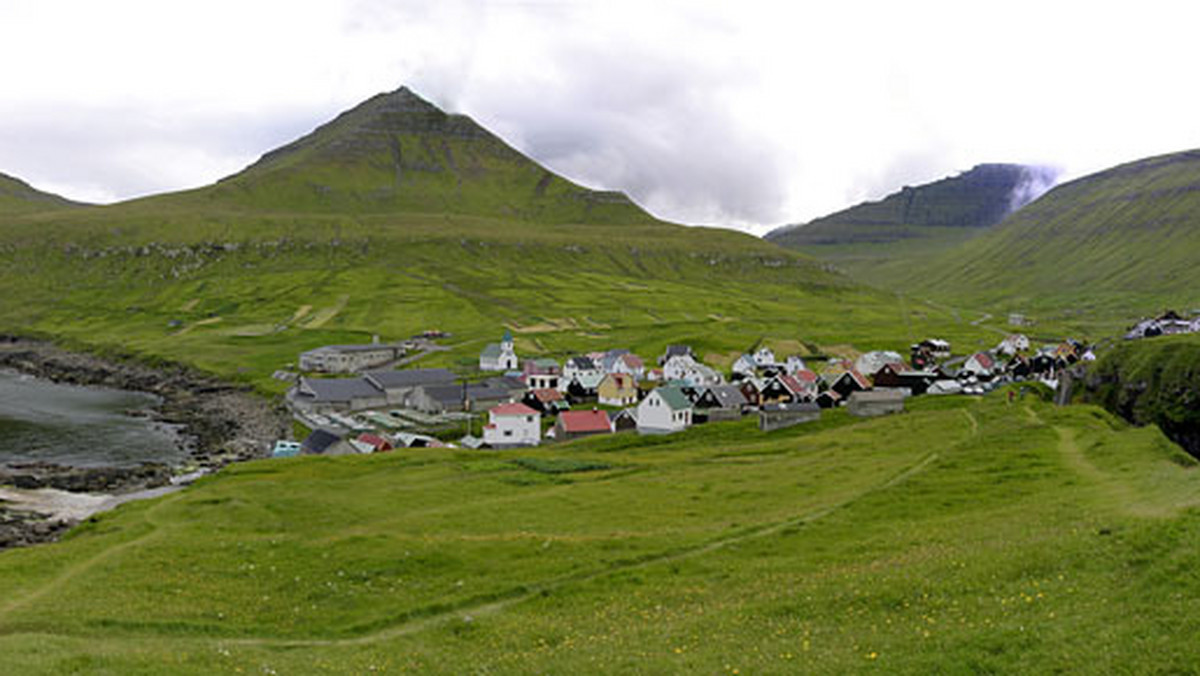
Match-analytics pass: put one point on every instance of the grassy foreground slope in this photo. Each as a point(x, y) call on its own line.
point(966, 534)
point(396, 218)
point(1123, 242)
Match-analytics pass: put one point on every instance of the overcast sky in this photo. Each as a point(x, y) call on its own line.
point(745, 114)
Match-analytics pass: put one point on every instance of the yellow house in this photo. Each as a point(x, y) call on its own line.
point(618, 389)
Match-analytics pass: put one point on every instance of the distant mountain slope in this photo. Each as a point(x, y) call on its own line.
point(396, 218)
point(398, 152)
point(917, 221)
point(17, 196)
point(1128, 237)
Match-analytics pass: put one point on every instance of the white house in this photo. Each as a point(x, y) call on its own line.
point(623, 361)
point(678, 367)
point(512, 425)
point(1013, 344)
point(664, 410)
point(979, 364)
point(764, 357)
point(500, 356)
point(582, 367)
point(684, 367)
point(745, 366)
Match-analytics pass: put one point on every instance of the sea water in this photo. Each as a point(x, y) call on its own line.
point(80, 426)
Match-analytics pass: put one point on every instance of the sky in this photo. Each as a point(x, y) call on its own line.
point(745, 114)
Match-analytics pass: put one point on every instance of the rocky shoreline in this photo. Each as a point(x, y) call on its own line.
point(218, 423)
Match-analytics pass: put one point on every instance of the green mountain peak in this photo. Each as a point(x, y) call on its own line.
point(397, 152)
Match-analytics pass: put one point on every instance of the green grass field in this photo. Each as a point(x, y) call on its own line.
point(964, 536)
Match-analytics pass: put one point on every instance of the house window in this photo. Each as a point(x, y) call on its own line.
point(528, 418)
point(508, 433)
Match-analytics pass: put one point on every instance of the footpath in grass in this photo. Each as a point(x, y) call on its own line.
point(962, 535)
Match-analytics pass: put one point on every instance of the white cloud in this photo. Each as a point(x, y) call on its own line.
point(746, 114)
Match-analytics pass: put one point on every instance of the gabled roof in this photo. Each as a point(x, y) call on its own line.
point(582, 363)
point(374, 440)
point(633, 361)
point(410, 377)
point(585, 421)
point(630, 413)
point(675, 351)
point(338, 389)
point(983, 359)
point(674, 398)
point(805, 376)
point(793, 385)
point(622, 381)
point(894, 367)
point(492, 351)
point(730, 396)
point(318, 441)
point(547, 396)
point(588, 381)
point(513, 409)
point(857, 377)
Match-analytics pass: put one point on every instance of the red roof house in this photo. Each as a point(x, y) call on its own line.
point(575, 424)
point(377, 443)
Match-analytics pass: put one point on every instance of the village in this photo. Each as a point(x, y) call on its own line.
point(353, 403)
point(1169, 323)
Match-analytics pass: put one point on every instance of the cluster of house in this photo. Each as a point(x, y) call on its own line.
point(1167, 324)
point(611, 391)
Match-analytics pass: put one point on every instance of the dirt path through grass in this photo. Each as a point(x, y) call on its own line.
point(76, 569)
point(421, 619)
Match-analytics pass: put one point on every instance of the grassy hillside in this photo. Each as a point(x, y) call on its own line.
point(966, 534)
point(242, 297)
point(1153, 381)
point(1123, 242)
point(912, 225)
point(340, 236)
point(18, 197)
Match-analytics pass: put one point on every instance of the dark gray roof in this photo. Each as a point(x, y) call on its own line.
point(318, 441)
point(510, 383)
point(339, 389)
point(675, 351)
point(487, 391)
point(582, 363)
point(730, 396)
point(411, 377)
point(452, 395)
point(444, 394)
